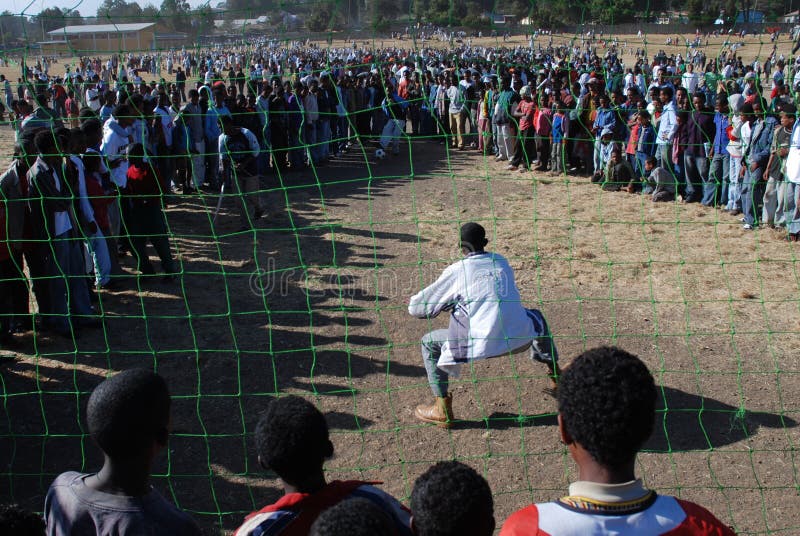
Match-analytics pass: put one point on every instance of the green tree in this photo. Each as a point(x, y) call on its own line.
point(611, 11)
point(325, 18)
point(49, 19)
point(12, 27)
point(119, 11)
point(175, 14)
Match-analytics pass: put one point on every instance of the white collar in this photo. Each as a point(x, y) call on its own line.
point(625, 492)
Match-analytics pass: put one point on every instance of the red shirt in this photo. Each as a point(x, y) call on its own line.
point(527, 109)
point(99, 200)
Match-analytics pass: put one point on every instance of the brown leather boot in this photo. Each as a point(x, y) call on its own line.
point(439, 413)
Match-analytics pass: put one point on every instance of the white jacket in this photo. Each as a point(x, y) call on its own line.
point(487, 317)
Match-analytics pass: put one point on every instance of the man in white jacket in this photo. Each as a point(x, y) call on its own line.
point(487, 320)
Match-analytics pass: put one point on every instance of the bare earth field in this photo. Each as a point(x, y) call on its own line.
point(314, 303)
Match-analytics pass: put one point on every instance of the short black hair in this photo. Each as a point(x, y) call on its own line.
point(122, 110)
point(451, 499)
point(666, 90)
point(17, 521)
point(607, 401)
point(92, 127)
point(45, 141)
point(789, 109)
point(353, 517)
point(129, 411)
point(292, 438)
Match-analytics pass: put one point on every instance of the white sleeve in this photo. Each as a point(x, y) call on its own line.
point(254, 146)
point(430, 301)
point(223, 154)
point(86, 206)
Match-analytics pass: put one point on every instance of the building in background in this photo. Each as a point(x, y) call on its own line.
point(90, 38)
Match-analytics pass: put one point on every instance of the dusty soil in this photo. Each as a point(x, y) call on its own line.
point(712, 310)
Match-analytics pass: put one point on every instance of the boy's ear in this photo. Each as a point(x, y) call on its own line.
point(566, 439)
point(262, 464)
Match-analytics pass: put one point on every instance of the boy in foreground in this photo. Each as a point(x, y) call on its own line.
point(128, 418)
point(292, 440)
point(452, 499)
point(606, 409)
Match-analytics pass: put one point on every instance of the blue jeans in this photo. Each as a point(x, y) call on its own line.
point(310, 140)
point(752, 194)
point(695, 170)
point(212, 162)
point(791, 207)
point(719, 177)
point(735, 187)
point(697, 179)
point(323, 138)
point(543, 350)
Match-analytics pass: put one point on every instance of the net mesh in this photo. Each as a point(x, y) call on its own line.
point(312, 300)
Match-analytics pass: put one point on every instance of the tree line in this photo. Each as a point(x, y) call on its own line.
point(383, 15)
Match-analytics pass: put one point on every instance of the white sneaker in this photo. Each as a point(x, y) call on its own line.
point(747, 227)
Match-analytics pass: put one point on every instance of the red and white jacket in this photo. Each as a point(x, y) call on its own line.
point(623, 510)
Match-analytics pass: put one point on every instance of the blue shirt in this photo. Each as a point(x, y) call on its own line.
point(558, 128)
point(212, 121)
point(606, 118)
point(721, 137)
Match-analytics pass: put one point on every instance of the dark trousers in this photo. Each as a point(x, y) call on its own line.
point(146, 223)
point(525, 150)
point(58, 272)
point(543, 150)
point(13, 293)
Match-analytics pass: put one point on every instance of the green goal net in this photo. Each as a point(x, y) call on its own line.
point(308, 294)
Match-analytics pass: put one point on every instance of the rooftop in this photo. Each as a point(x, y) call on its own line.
point(96, 28)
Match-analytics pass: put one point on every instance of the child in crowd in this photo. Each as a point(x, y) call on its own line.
point(292, 440)
point(353, 517)
point(452, 499)
point(128, 416)
point(658, 182)
point(772, 211)
point(146, 215)
point(645, 142)
point(557, 150)
point(606, 410)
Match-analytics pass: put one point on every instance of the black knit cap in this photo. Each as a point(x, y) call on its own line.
point(473, 236)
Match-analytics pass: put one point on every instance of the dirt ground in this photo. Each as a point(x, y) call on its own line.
point(314, 302)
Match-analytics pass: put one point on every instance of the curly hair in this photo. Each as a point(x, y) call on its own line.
point(292, 438)
point(607, 400)
point(129, 411)
point(452, 499)
point(353, 517)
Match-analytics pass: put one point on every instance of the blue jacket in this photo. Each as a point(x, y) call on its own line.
point(606, 118)
point(646, 143)
point(761, 142)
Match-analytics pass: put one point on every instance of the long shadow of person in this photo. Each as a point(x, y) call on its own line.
point(686, 421)
point(683, 421)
